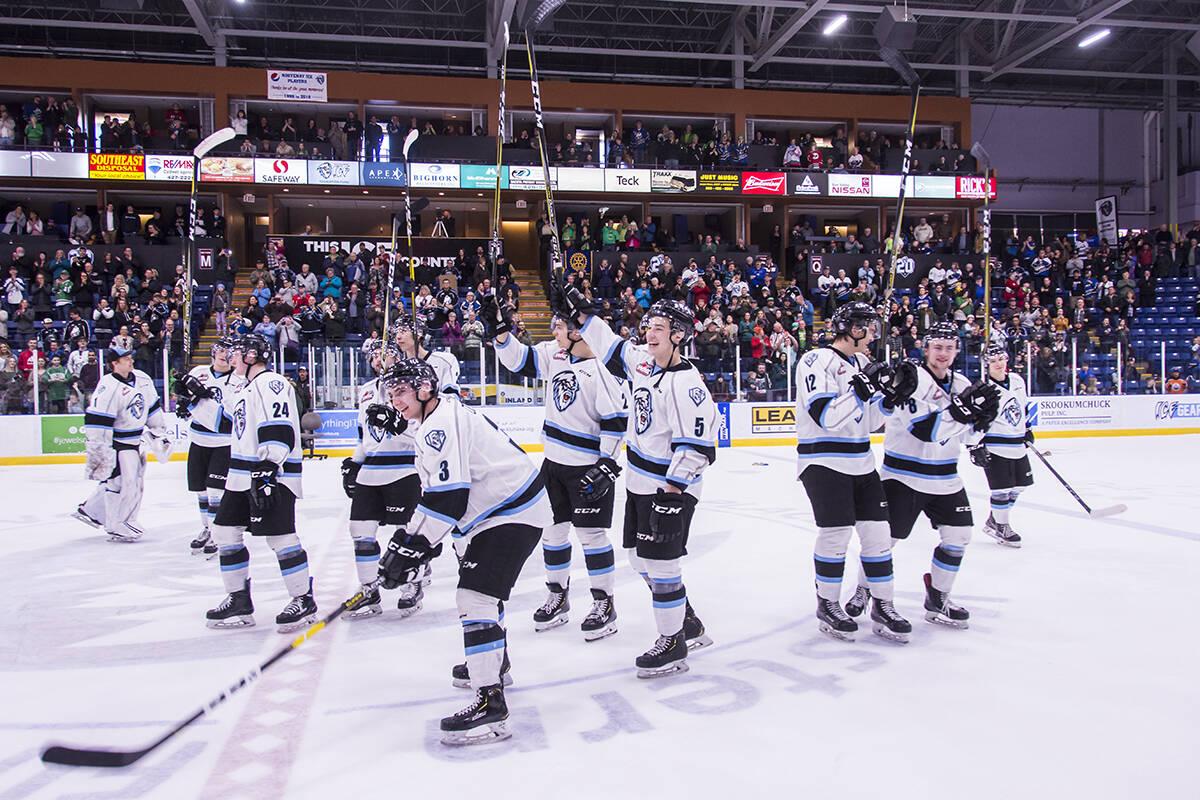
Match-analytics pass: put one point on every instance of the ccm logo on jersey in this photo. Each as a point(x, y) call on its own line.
point(587, 511)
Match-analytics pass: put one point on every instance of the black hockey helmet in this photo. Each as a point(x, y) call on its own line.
point(254, 347)
point(221, 346)
point(678, 316)
point(996, 350)
point(410, 372)
point(940, 330)
point(413, 323)
point(854, 315)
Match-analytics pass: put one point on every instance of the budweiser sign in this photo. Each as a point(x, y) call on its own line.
point(763, 182)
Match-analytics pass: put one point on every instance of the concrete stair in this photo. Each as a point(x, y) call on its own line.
point(208, 334)
point(535, 306)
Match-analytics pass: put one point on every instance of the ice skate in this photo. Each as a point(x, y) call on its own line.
point(601, 620)
point(554, 611)
point(482, 721)
point(210, 550)
point(86, 518)
point(201, 541)
point(667, 656)
point(1002, 532)
point(460, 676)
point(889, 624)
point(411, 599)
point(369, 607)
point(426, 575)
point(693, 630)
point(125, 532)
point(939, 609)
point(298, 613)
point(858, 603)
point(833, 620)
point(235, 611)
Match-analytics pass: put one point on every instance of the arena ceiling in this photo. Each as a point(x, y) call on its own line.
point(1011, 51)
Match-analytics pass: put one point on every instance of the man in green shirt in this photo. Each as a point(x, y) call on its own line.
point(58, 386)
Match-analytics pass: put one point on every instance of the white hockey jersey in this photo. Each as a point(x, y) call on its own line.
point(447, 368)
point(586, 408)
point(833, 426)
point(1006, 436)
point(921, 445)
point(266, 427)
point(210, 427)
point(385, 458)
point(473, 478)
point(672, 435)
point(120, 409)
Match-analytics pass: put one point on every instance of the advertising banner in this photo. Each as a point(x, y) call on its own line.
point(807, 184)
point(721, 182)
point(306, 87)
point(764, 183)
point(626, 180)
point(1064, 413)
point(672, 180)
point(435, 252)
point(972, 188)
point(530, 177)
point(1106, 218)
point(335, 173)
point(433, 176)
point(934, 187)
point(63, 434)
point(384, 175)
point(850, 185)
point(280, 170)
point(471, 176)
point(580, 179)
point(231, 169)
point(14, 164)
point(117, 166)
point(60, 165)
point(169, 168)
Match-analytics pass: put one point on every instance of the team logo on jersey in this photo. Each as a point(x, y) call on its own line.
point(697, 394)
point(811, 358)
point(276, 386)
point(376, 433)
point(99, 390)
point(239, 419)
point(436, 439)
point(561, 355)
point(137, 406)
point(565, 389)
point(645, 368)
point(216, 390)
point(1012, 411)
point(367, 395)
point(642, 411)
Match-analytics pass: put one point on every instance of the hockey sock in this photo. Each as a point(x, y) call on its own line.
point(1002, 503)
point(875, 561)
point(366, 549)
point(205, 517)
point(598, 556)
point(234, 558)
point(483, 638)
point(668, 595)
point(639, 566)
point(214, 503)
point(948, 555)
point(829, 560)
point(556, 552)
point(293, 562)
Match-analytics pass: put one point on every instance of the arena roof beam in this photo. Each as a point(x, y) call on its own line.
point(785, 34)
point(202, 24)
point(1043, 43)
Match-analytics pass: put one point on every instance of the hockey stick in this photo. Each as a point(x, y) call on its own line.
point(84, 757)
point(899, 63)
point(1092, 512)
point(556, 260)
point(497, 249)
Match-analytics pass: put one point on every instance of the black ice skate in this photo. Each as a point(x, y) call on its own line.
point(857, 604)
point(482, 721)
point(888, 623)
point(210, 550)
point(693, 630)
point(298, 613)
point(833, 620)
point(939, 609)
point(668, 656)
point(601, 621)
point(85, 518)
point(369, 607)
point(554, 611)
point(235, 611)
point(460, 676)
point(198, 544)
point(411, 599)
point(1002, 532)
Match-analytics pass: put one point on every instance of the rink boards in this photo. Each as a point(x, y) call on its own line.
point(57, 439)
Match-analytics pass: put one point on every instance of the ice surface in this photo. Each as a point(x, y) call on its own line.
point(1076, 678)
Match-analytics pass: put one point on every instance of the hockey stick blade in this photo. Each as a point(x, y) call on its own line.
point(73, 757)
point(1119, 508)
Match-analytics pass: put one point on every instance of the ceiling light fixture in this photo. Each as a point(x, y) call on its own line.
point(1092, 38)
point(835, 24)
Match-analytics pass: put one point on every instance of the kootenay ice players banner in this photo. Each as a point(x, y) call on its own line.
point(308, 87)
point(432, 252)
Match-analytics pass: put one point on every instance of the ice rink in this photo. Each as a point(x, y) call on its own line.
point(1076, 678)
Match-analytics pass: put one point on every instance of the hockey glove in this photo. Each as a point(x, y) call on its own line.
point(578, 302)
point(263, 487)
point(667, 512)
point(194, 387)
point(101, 460)
point(496, 319)
point(599, 480)
point(161, 444)
point(183, 409)
point(980, 456)
point(869, 381)
point(350, 469)
point(405, 556)
point(386, 418)
point(977, 406)
point(1029, 436)
point(900, 384)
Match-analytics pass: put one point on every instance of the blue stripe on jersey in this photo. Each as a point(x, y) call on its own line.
point(650, 459)
point(571, 432)
point(533, 480)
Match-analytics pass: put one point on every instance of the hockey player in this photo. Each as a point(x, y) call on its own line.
point(586, 416)
point(480, 489)
point(261, 489)
point(124, 405)
point(1003, 453)
point(841, 397)
point(199, 395)
point(671, 442)
point(381, 481)
point(920, 463)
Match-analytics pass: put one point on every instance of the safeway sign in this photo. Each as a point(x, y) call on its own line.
point(280, 170)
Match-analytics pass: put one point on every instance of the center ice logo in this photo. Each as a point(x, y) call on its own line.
point(642, 411)
point(565, 389)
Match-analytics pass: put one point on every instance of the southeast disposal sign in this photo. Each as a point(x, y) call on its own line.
point(117, 166)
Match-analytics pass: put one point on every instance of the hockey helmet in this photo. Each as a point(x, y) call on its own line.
point(941, 330)
point(220, 348)
point(678, 316)
point(254, 348)
point(996, 350)
point(854, 315)
point(411, 372)
point(413, 323)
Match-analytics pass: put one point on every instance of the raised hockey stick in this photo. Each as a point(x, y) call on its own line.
point(1092, 512)
point(900, 64)
point(84, 757)
point(497, 248)
point(535, 20)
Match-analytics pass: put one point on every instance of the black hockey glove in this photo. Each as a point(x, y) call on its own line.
point(196, 388)
point(386, 418)
point(404, 558)
point(350, 469)
point(900, 384)
point(869, 381)
point(1029, 436)
point(183, 406)
point(496, 319)
point(263, 487)
point(578, 302)
point(980, 456)
point(599, 480)
point(667, 512)
point(977, 406)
